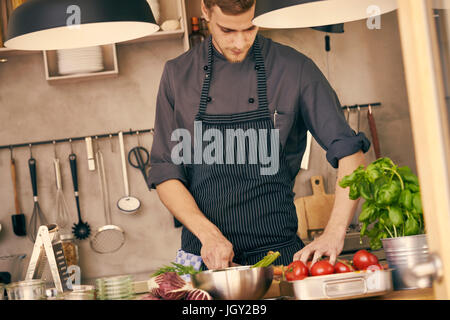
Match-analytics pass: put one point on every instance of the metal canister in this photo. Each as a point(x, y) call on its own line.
point(402, 254)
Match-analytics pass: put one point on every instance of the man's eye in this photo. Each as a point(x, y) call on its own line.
point(226, 31)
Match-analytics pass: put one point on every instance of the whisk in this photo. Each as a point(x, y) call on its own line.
point(61, 208)
point(38, 217)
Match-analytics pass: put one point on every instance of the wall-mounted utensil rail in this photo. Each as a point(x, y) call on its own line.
point(377, 104)
point(107, 135)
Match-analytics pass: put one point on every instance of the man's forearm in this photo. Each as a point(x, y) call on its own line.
point(179, 201)
point(344, 208)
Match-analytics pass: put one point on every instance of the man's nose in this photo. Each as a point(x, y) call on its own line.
point(240, 40)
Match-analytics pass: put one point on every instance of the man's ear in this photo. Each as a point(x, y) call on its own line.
point(205, 11)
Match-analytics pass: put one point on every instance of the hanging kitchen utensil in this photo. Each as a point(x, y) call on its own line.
point(90, 154)
point(108, 238)
point(18, 219)
point(348, 115)
point(139, 158)
point(373, 132)
point(126, 204)
point(62, 211)
point(359, 118)
point(81, 230)
point(37, 218)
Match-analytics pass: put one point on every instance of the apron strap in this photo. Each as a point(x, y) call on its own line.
point(261, 79)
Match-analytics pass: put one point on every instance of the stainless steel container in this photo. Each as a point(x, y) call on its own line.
point(2, 291)
point(235, 283)
point(402, 254)
point(81, 292)
point(26, 290)
point(339, 286)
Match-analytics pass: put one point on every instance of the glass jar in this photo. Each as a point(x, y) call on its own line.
point(26, 290)
point(70, 249)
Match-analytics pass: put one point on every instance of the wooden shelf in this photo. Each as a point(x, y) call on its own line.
point(111, 69)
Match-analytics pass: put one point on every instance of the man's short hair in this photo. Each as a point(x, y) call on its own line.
point(231, 7)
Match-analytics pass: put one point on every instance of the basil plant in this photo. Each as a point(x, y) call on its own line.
point(392, 206)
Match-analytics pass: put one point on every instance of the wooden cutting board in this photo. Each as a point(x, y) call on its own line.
point(314, 211)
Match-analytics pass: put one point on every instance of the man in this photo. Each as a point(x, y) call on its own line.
point(237, 81)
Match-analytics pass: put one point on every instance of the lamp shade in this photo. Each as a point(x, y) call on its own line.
point(285, 14)
point(68, 24)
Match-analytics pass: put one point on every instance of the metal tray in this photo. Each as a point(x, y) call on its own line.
point(351, 285)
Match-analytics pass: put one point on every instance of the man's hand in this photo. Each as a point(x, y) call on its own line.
point(217, 253)
point(329, 244)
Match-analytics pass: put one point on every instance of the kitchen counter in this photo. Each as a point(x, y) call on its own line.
point(413, 294)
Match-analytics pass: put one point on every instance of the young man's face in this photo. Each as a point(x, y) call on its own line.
point(233, 35)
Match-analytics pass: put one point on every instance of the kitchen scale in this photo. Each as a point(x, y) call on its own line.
point(48, 247)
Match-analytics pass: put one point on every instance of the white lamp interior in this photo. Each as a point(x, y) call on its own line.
point(322, 13)
point(84, 35)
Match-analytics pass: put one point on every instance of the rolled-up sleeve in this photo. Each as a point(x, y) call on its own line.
point(323, 116)
point(162, 168)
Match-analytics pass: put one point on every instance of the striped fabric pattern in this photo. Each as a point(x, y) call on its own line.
point(255, 212)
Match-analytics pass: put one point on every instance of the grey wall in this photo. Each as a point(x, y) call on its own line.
point(364, 66)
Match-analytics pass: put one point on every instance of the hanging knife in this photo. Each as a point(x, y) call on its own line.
point(373, 131)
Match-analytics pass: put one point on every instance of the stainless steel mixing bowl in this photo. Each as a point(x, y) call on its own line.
point(235, 283)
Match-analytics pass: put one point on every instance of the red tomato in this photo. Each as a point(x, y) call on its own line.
point(322, 267)
point(362, 259)
point(342, 267)
point(296, 271)
point(374, 267)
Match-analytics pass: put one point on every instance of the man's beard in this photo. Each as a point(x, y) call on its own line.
point(232, 58)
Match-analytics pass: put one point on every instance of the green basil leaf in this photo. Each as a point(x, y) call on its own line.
point(411, 227)
point(368, 209)
point(405, 199)
point(417, 202)
point(366, 190)
point(396, 216)
point(354, 192)
point(388, 193)
point(408, 176)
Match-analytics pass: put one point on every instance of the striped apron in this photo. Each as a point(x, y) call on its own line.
point(255, 212)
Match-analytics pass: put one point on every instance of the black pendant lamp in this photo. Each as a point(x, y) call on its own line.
point(285, 14)
point(68, 24)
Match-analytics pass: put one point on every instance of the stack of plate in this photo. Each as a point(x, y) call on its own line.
point(115, 288)
point(82, 60)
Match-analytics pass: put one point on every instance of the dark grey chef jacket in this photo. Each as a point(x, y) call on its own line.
point(296, 88)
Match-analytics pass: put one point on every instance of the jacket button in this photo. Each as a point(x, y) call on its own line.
point(209, 99)
point(205, 68)
point(257, 67)
point(251, 100)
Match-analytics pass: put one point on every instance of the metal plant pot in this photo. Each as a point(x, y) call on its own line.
point(402, 254)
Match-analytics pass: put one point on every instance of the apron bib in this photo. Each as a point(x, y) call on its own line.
point(254, 211)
